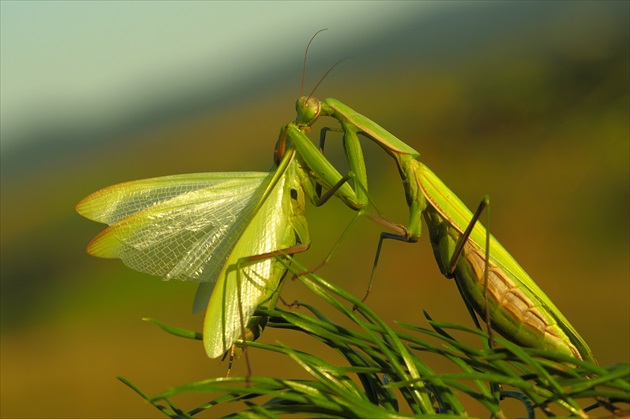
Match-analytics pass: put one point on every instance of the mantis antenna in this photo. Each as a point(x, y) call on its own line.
point(304, 67)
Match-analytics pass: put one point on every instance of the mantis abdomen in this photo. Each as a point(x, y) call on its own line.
point(514, 312)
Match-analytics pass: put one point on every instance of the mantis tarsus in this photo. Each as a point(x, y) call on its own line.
point(516, 306)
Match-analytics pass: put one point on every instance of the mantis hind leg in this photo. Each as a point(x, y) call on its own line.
point(457, 253)
point(484, 204)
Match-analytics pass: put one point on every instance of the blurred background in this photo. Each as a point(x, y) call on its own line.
point(526, 101)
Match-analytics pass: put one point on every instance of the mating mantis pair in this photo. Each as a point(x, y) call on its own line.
point(227, 231)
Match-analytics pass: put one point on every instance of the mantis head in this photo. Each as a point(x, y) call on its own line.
point(308, 109)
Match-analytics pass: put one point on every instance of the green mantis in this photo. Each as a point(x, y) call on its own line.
point(208, 228)
point(195, 227)
point(489, 279)
point(226, 231)
point(513, 304)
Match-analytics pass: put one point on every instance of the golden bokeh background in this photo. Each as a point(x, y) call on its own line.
point(525, 102)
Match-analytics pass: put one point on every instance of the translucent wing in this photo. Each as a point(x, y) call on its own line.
point(116, 202)
point(182, 226)
point(243, 285)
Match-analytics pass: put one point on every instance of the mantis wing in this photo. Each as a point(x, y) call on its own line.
point(199, 227)
point(181, 227)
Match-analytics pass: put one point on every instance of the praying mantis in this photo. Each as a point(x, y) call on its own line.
point(226, 231)
point(489, 279)
point(198, 227)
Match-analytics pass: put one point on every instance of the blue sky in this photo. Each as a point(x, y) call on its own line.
point(92, 60)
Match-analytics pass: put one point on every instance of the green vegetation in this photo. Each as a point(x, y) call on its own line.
point(388, 372)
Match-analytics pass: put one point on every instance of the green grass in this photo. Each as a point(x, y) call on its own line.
point(390, 372)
